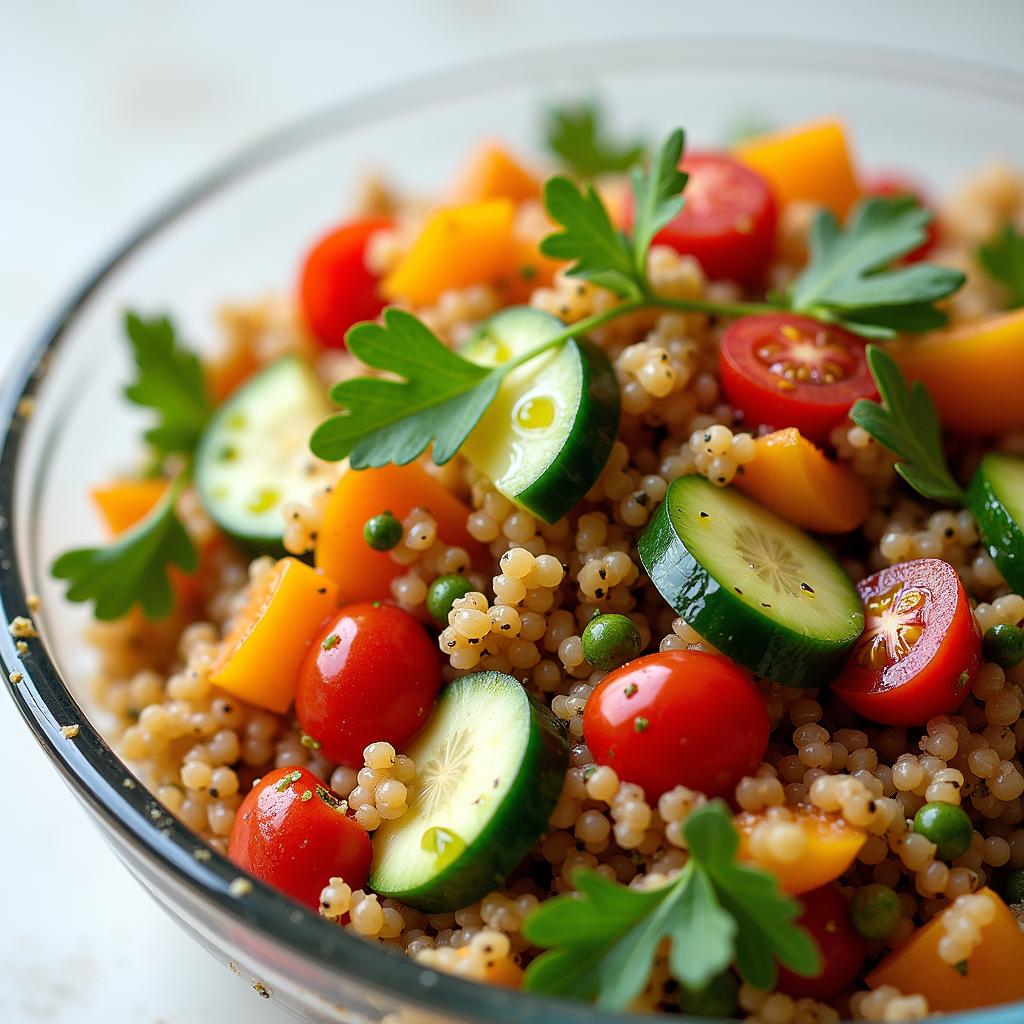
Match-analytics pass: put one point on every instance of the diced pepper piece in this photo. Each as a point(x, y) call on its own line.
point(830, 846)
point(360, 572)
point(973, 372)
point(124, 503)
point(492, 172)
point(225, 373)
point(260, 657)
point(807, 163)
point(991, 974)
point(793, 477)
point(457, 246)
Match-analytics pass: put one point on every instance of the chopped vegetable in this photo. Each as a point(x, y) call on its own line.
point(947, 826)
point(715, 912)
point(996, 498)
point(261, 654)
point(124, 503)
point(875, 911)
point(610, 640)
point(382, 531)
point(576, 135)
point(1003, 259)
point(1004, 644)
point(442, 594)
point(796, 480)
point(492, 172)
point(893, 186)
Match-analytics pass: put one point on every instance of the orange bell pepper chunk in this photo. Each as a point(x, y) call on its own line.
point(494, 173)
point(831, 844)
point(360, 572)
point(807, 163)
point(224, 374)
point(793, 477)
point(991, 975)
point(457, 246)
point(973, 372)
point(122, 504)
point(261, 656)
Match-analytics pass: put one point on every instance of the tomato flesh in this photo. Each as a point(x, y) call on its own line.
point(687, 718)
point(372, 674)
point(728, 219)
point(826, 916)
point(921, 646)
point(895, 185)
point(296, 842)
point(781, 370)
point(335, 287)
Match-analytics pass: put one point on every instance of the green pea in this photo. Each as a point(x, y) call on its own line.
point(1004, 645)
point(382, 532)
point(443, 593)
point(875, 911)
point(947, 826)
point(610, 641)
point(718, 998)
point(1013, 887)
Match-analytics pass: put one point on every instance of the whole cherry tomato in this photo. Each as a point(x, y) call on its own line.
point(826, 916)
point(892, 186)
point(687, 718)
point(372, 674)
point(336, 288)
point(727, 222)
point(783, 370)
point(920, 649)
point(292, 833)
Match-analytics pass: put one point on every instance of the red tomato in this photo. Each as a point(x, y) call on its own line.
point(893, 185)
point(687, 718)
point(783, 370)
point(728, 220)
point(335, 287)
point(827, 917)
point(295, 841)
point(920, 649)
point(372, 674)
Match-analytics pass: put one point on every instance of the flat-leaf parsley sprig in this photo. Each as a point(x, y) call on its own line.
point(602, 940)
point(577, 135)
point(1002, 258)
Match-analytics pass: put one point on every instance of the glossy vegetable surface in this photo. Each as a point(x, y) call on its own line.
point(123, 503)
point(996, 498)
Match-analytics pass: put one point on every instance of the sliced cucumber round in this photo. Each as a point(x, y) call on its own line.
point(756, 587)
point(490, 765)
point(254, 456)
point(996, 500)
point(548, 433)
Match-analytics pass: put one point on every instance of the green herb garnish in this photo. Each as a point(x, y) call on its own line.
point(849, 280)
point(716, 912)
point(906, 423)
point(577, 137)
point(1002, 257)
point(286, 780)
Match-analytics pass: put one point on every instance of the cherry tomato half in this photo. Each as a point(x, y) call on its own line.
point(687, 718)
point(292, 833)
point(783, 370)
point(826, 916)
point(335, 287)
point(894, 185)
point(920, 649)
point(728, 220)
point(372, 674)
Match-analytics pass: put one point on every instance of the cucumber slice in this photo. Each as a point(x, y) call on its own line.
point(548, 433)
point(760, 590)
point(490, 766)
point(254, 456)
point(995, 497)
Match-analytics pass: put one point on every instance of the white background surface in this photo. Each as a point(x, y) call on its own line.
point(106, 108)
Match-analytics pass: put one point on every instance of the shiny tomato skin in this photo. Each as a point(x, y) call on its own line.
point(826, 916)
point(372, 674)
point(297, 844)
point(934, 673)
point(687, 718)
point(894, 185)
point(336, 289)
point(728, 219)
point(756, 353)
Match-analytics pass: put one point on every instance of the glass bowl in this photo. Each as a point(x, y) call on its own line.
point(239, 232)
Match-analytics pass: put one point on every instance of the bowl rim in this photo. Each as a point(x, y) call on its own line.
point(105, 783)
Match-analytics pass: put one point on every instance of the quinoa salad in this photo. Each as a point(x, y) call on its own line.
point(603, 578)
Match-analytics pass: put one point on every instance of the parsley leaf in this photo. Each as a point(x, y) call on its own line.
point(1003, 259)
point(848, 279)
point(440, 397)
point(134, 568)
point(906, 423)
point(576, 135)
point(714, 912)
point(599, 252)
point(170, 381)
